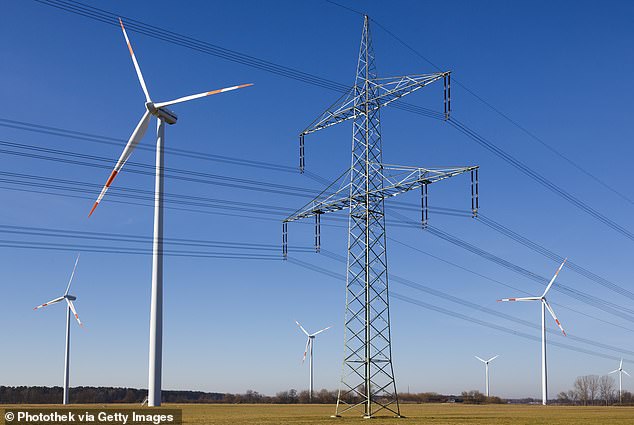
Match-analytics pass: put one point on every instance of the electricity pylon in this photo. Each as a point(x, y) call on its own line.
point(367, 380)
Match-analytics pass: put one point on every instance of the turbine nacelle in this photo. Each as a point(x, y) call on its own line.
point(162, 113)
point(70, 297)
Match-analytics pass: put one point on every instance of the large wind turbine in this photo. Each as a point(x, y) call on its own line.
point(309, 347)
point(621, 372)
point(163, 116)
point(70, 309)
point(545, 306)
point(486, 364)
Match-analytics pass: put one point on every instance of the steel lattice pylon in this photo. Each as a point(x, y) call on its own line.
point(367, 379)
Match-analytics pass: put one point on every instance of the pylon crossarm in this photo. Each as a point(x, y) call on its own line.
point(390, 89)
point(325, 197)
point(339, 111)
point(403, 180)
point(387, 91)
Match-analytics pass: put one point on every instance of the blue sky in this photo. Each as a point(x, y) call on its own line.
point(561, 70)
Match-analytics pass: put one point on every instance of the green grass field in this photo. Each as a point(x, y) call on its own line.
point(436, 414)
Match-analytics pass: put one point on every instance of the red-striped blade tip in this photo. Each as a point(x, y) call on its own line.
point(93, 209)
point(111, 178)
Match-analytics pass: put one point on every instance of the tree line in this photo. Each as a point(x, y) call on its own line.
point(110, 395)
point(593, 390)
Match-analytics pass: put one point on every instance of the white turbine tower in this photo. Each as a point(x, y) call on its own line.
point(163, 116)
point(70, 309)
point(545, 306)
point(621, 372)
point(309, 347)
point(486, 364)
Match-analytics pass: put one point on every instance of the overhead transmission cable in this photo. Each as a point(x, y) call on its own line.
point(496, 110)
point(456, 315)
point(263, 209)
point(465, 303)
point(208, 48)
point(604, 305)
point(483, 219)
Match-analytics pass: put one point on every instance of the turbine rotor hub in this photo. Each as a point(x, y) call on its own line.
point(163, 114)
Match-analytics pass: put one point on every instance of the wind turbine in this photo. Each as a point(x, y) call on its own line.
point(309, 346)
point(70, 309)
point(621, 372)
point(486, 363)
point(545, 306)
point(163, 116)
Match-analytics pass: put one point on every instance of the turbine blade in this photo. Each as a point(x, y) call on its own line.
point(552, 313)
point(324, 329)
point(302, 328)
point(520, 299)
point(627, 374)
point(136, 137)
point(554, 277)
point(493, 358)
point(621, 364)
point(136, 64)
point(306, 350)
point(53, 301)
point(199, 95)
point(479, 359)
point(614, 371)
point(72, 308)
point(71, 276)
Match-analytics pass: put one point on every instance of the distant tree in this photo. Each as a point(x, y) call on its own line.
point(473, 397)
point(325, 397)
point(606, 389)
point(562, 398)
point(303, 397)
point(251, 397)
point(581, 386)
point(593, 388)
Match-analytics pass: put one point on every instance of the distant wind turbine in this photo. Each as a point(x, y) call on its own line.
point(70, 309)
point(486, 364)
point(309, 347)
point(545, 306)
point(621, 372)
point(163, 115)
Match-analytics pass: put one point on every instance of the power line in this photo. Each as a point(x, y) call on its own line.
point(163, 34)
point(494, 109)
point(511, 234)
point(551, 255)
point(488, 145)
point(54, 183)
point(596, 302)
point(21, 125)
point(401, 223)
point(498, 282)
point(204, 47)
point(105, 140)
point(456, 300)
point(456, 315)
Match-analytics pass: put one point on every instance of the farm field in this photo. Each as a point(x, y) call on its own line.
point(435, 414)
